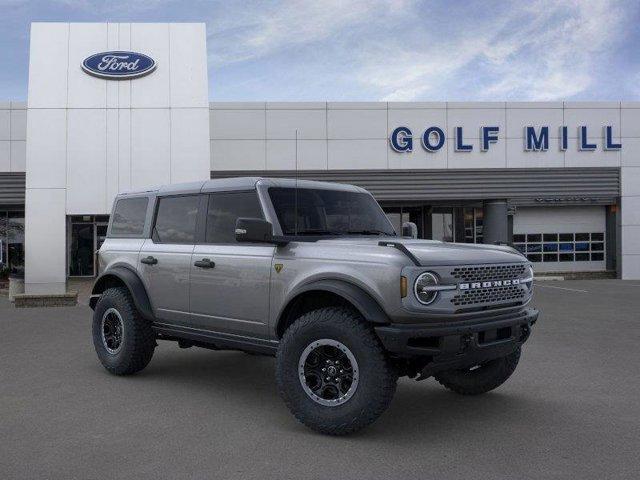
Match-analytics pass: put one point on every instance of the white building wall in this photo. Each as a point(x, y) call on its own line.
point(13, 136)
point(355, 135)
point(261, 135)
point(90, 138)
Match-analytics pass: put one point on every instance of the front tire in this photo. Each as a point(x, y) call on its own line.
point(482, 378)
point(357, 383)
point(122, 338)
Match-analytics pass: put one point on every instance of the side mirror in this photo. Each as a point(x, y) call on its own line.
point(409, 229)
point(253, 230)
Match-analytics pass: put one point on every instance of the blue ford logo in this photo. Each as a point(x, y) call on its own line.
point(118, 65)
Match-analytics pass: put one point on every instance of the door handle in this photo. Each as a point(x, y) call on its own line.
point(204, 263)
point(149, 260)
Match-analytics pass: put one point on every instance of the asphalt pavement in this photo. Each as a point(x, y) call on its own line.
point(571, 410)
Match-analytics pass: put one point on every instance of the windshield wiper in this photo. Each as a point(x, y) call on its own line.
point(369, 232)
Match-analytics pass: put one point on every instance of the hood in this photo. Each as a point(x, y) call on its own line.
point(433, 252)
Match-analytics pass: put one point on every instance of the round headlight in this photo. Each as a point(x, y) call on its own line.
point(423, 288)
point(530, 285)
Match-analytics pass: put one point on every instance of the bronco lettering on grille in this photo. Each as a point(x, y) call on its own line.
point(492, 283)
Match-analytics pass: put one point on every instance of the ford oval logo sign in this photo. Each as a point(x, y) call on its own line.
point(118, 65)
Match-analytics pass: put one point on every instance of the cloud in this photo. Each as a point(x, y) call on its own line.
point(105, 7)
point(408, 50)
point(398, 50)
point(542, 51)
point(260, 29)
point(557, 56)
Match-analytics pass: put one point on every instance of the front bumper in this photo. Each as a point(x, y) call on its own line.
point(451, 346)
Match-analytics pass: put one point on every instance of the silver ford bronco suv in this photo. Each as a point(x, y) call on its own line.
point(314, 274)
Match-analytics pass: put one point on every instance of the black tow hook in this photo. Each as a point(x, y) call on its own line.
point(525, 332)
point(465, 341)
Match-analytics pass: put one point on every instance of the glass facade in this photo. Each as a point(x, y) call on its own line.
point(445, 223)
point(85, 234)
point(562, 247)
point(11, 243)
point(442, 225)
point(473, 219)
point(398, 215)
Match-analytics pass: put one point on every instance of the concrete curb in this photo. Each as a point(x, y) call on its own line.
point(24, 300)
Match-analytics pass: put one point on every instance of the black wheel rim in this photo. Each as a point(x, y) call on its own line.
point(112, 331)
point(328, 372)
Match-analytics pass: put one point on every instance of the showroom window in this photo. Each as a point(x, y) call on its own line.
point(473, 220)
point(11, 242)
point(398, 215)
point(561, 247)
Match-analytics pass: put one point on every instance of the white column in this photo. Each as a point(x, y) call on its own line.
point(630, 194)
point(630, 223)
point(90, 138)
point(45, 241)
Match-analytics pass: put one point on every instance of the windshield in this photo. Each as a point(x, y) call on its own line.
point(328, 212)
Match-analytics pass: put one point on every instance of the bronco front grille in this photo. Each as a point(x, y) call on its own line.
point(512, 293)
point(480, 273)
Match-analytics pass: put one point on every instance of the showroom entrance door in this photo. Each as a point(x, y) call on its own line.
point(85, 235)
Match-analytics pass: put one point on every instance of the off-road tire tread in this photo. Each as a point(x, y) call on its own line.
point(357, 328)
point(144, 342)
point(457, 382)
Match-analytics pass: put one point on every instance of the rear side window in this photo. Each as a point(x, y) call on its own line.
point(128, 217)
point(224, 209)
point(176, 219)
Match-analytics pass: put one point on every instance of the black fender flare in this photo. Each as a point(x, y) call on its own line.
point(132, 281)
point(368, 307)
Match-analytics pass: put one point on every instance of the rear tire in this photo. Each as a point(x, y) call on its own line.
point(482, 379)
point(363, 380)
point(122, 338)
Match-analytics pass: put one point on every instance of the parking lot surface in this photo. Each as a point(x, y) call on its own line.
point(571, 410)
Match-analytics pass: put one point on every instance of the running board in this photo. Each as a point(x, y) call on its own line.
point(222, 341)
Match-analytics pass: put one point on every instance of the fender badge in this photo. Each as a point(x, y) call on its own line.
point(278, 267)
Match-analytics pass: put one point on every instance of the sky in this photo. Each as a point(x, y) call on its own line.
point(377, 50)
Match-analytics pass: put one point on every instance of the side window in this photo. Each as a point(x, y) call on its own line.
point(176, 219)
point(224, 209)
point(128, 217)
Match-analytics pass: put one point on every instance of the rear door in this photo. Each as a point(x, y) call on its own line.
point(165, 259)
point(230, 280)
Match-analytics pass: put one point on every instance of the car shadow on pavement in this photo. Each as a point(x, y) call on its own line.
point(423, 409)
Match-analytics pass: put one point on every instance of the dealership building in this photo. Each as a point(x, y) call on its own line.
point(114, 107)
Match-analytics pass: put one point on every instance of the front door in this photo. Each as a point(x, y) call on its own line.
point(81, 250)
point(165, 259)
point(230, 281)
point(442, 226)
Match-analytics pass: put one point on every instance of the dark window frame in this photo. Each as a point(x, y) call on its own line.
point(112, 219)
point(196, 234)
point(204, 216)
